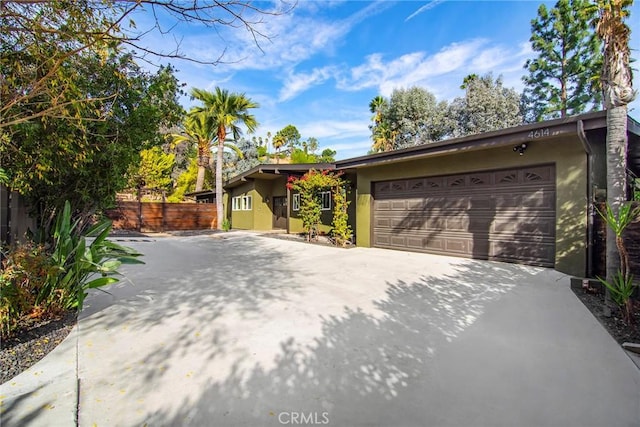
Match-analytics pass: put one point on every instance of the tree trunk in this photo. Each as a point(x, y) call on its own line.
point(200, 178)
point(203, 162)
point(219, 207)
point(616, 184)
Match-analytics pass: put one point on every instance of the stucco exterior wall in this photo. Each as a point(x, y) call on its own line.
point(262, 205)
point(295, 223)
point(571, 188)
point(243, 220)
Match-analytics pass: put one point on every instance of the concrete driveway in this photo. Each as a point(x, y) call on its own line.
point(237, 329)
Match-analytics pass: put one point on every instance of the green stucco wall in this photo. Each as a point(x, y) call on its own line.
point(243, 220)
point(262, 213)
point(571, 189)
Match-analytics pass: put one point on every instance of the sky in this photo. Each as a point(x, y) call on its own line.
point(325, 60)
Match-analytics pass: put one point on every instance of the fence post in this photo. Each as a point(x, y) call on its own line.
point(139, 209)
point(164, 212)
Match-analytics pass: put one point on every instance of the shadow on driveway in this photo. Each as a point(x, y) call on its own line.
point(233, 342)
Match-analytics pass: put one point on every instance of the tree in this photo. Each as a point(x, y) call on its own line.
point(617, 83)
point(563, 79)
point(291, 137)
point(486, 106)
point(82, 160)
point(38, 38)
point(200, 131)
point(384, 138)
point(186, 181)
point(327, 156)
point(376, 106)
point(252, 152)
point(154, 169)
point(225, 110)
point(278, 143)
point(311, 187)
point(416, 117)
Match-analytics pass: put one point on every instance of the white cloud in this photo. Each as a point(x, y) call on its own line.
point(293, 37)
point(451, 63)
point(297, 83)
point(335, 129)
point(424, 8)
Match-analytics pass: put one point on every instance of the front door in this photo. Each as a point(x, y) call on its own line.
point(280, 212)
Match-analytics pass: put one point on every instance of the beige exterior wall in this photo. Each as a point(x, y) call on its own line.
point(571, 189)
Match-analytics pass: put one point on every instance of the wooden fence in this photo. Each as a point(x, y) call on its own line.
point(163, 216)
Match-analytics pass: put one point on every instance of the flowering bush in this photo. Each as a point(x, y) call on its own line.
point(310, 185)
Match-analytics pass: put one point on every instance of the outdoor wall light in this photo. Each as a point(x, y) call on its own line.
point(520, 148)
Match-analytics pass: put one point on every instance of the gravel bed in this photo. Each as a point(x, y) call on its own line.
point(31, 344)
point(616, 327)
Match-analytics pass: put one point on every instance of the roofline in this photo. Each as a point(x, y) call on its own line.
point(513, 135)
point(516, 134)
point(276, 168)
point(201, 192)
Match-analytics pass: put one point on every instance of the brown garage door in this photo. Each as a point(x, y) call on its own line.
point(504, 215)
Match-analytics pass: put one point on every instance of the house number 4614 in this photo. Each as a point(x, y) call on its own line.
point(538, 133)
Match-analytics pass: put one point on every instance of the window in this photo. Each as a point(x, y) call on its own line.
point(325, 200)
point(296, 202)
point(246, 203)
point(241, 203)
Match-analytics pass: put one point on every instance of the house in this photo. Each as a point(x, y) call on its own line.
point(522, 194)
point(258, 199)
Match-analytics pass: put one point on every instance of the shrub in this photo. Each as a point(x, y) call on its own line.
point(78, 263)
point(24, 277)
point(310, 185)
point(36, 283)
point(621, 287)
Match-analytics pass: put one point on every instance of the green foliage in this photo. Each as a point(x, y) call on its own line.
point(84, 156)
point(300, 156)
point(310, 186)
point(226, 110)
point(37, 38)
point(327, 156)
point(289, 137)
point(486, 106)
point(77, 262)
point(621, 286)
point(416, 117)
point(341, 230)
point(154, 170)
point(36, 283)
point(186, 182)
point(226, 224)
point(24, 275)
point(564, 78)
point(621, 289)
point(627, 213)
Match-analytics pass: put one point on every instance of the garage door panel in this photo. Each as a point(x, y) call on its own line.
point(506, 215)
point(539, 253)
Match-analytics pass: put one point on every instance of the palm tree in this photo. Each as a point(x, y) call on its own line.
point(278, 142)
point(225, 110)
point(376, 106)
point(384, 138)
point(198, 130)
point(618, 92)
